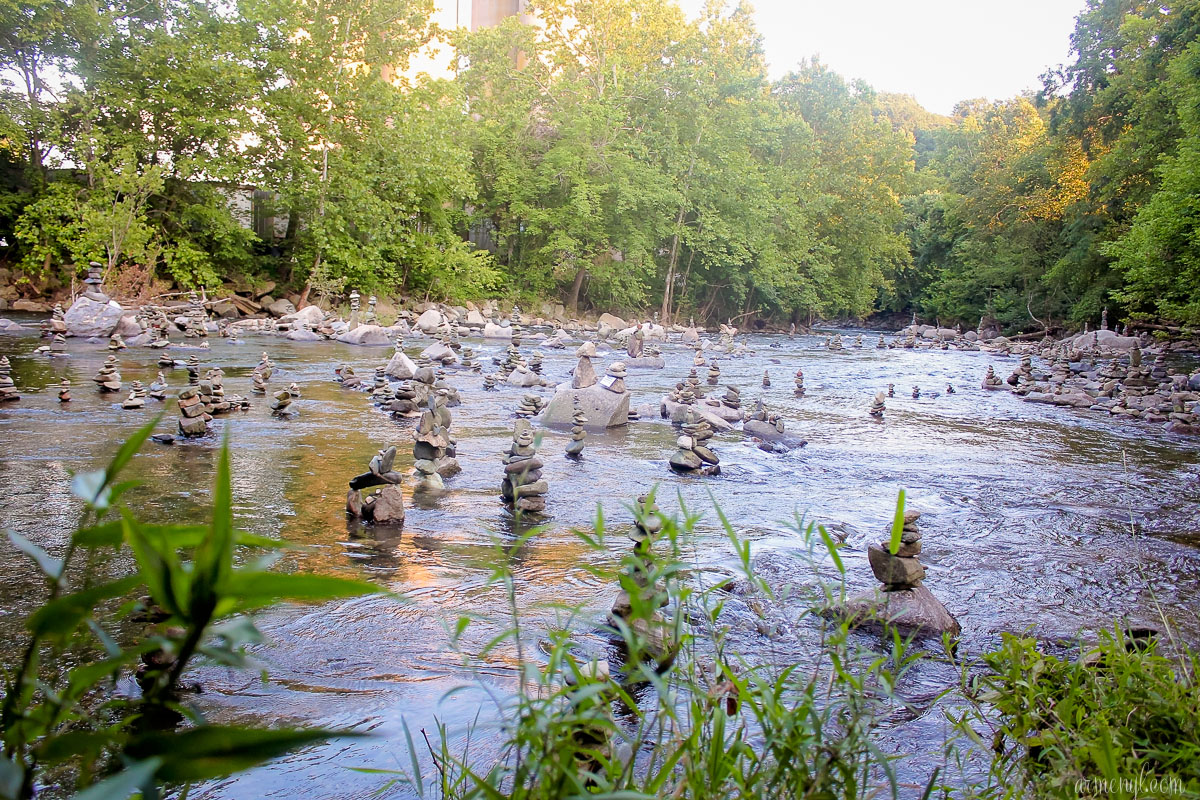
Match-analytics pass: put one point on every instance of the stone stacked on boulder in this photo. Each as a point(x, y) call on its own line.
point(1023, 372)
point(469, 361)
point(901, 570)
point(769, 430)
point(385, 506)
point(732, 399)
point(434, 451)
point(355, 306)
point(992, 380)
point(693, 382)
point(137, 396)
point(64, 391)
point(535, 363)
point(347, 378)
point(193, 370)
point(877, 406)
point(693, 455)
point(281, 405)
point(193, 420)
point(8, 389)
point(370, 317)
point(56, 324)
point(158, 388)
point(614, 378)
point(108, 379)
point(523, 488)
point(584, 374)
point(530, 406)
point(835, 342)
point(799, 390)
point(578, 434)
point(95, 283)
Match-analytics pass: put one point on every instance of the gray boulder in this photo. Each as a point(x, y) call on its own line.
point(367, 336)
point(86, 318)
point(304, 335)
point(914, 611)
point(430, 320)
point(128, 327)
point(281, 308)
point(494, 331)
point(401, 367)
point(646, 362)
point(603, 409)
point(475, 319)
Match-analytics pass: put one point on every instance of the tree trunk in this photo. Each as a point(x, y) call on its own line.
point(573, 301)
point(672, 263)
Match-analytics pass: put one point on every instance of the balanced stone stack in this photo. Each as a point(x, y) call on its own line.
point(766, 384)
point(262, 373)
point(8, 389)
point(158, 389)
point(523, 488)
point(732, 399)
point(386, 506)
point(58, 344)
point(578, 434)
point(877, 406)
point(64, 391)
point(693, 382)
point(489, 382)
point(115, 342)
point(197, 319)
point(433, 449)
point(530, 406)
point(1024, 372)
point(95, 283)
point(281, 405)
point(858, 343)
point(891, 390)
point(108, 379)
point(354, 308)
point(714, 374)
point(799, 390)
point(992, 380)
point(770, 431)
point(881, 344)
point(614, 379)
point(137, 396)
point(693, 455)
point(370, 317)
point(468, 360)
point(193, 370)
point(166, 361)
point(535, 363)
point(903, 601)
point(835, 342)
point(647, 527)
point(916, 393)
point(404, 400)
point(193, 420)
point(584, 373)
point(56, 324)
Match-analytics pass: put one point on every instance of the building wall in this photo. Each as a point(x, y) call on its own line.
point(486, 13)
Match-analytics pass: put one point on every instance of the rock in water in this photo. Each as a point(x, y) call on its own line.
point(902, 602)
point(693, 455)
point(578, 434)
point(877, 406)
point(87, 318)
point(602, 408)
point(523, 488)
point(385, 506)
point(8, 390)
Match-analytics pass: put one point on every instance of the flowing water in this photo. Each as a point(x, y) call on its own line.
point(1027, 517)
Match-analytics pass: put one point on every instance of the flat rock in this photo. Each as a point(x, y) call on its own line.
point(304, 335)
point(677, 412)
point(646, 362)
point(86, 318)
point(367, 336)
point(603, 409)
point(768, 433)
point(914, 611)
point(612, 321)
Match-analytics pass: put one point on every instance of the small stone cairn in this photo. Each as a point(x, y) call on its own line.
point(766, 383)
point(281, 404)
point(877, 406)
point(137, 396)
point(523, 488)
point(835, 343)
point(881, 344)
point(799, 390)
point(614, 379)
point(434, 450)
point(714, 374)
point(115, 342)
point(858, 342)
point(693, 456)
point(108, 379)
point(489, 382)
point(732, 399)
point(8, 389)
point(158, 388)
point(385, 506)
point(916, 393)
point(992, 380)
point(197, 318)
point(578, 434)
point(193, 419)
point(64, 391)
point(530, 406)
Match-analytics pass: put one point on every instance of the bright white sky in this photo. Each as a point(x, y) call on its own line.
point(940, 51)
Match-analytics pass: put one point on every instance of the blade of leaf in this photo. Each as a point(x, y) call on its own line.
point(52, 567)
point(897, 525)
point(124, 783)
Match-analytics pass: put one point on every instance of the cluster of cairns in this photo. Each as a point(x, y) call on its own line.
point(523, 488)
point(903, 600)
point(693, 456)
point(8, 390)
point(108, 379)
point(385, 506)
point(434, 451)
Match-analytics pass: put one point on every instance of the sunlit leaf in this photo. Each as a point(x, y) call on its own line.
point(897, 525)
point(51, 567)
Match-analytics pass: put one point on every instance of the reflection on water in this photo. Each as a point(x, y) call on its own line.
point(1026, 520)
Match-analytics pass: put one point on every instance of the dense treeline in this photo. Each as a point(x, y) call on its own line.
point(615, 155)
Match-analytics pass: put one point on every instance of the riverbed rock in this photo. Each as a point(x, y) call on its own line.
point(281, 308)
point(366, 336)
point(770, 433)
point(493, 331)
point(612, 321)
point(87, 318)
point(430, 320)
point(602, 408)
point(911, 611)
point(401, 367)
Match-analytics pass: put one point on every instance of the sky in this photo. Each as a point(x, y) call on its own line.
point(940, 51)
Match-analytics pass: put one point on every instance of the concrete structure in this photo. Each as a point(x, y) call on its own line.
point(486, 13)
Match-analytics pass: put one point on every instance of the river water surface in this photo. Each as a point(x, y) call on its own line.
point(1027, 513)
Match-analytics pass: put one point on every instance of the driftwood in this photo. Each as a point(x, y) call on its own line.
point(1023, 337)
point(1150, 326)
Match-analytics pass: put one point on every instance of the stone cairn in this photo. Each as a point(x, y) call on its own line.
point(193, 419)
point(799, 391)
point(166, 362)
point(370, 317)
point(714, 374)
point(698, 358)
point(992, 380)
point(489, 382)
point(158, 389)
point(354, 308)
point(693, 383)
point(530, 406)
point(137, 396)
point(404, 400)
point(950, 388)
point(523, 488)
point(858, 343)
point(647, 526)
point(877, 406)
point(108, 379)
point(835, 343)
point(766, 384)
point(281, 405)
point(434, 450)
point(732, 399)
point(262, 373)
point(58, 344)
point(115, 342)
point(57, 322)
point(469, 362)
point(891, 390)
point(1024, 372)
point(343, 375)
point(385, 506)
point(881, 344)
point(197, 318)
point(8, 390)
point(693, 456)
point(578, 434)
point(584, 374)
point(916, 393)
point(193, 370)
point(64, 391)
point(614, 379)
point(95, 283)
point(902, 570)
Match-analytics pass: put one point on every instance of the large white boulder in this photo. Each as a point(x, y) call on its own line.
point(612, 321)
point(401, 367)
point(475, 319)
point(604, 409)
point(87, 318)
point(430, 320)
point(309, 315)
point(494, 331)
point(366, 335)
